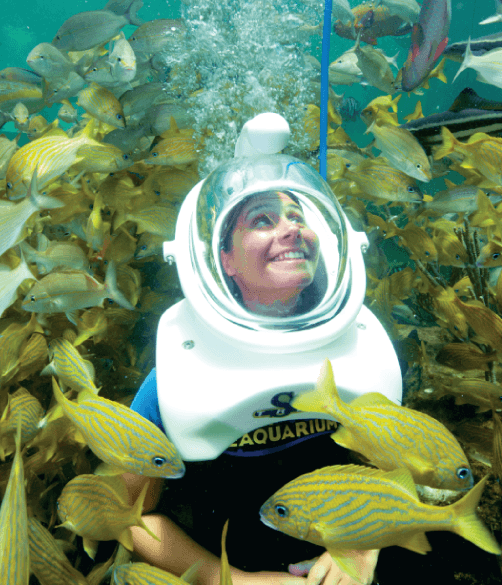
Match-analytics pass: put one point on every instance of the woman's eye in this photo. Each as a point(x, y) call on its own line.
point(262, 221)
point(298, 219)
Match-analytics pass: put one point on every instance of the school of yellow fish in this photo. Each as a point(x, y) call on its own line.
point(88, 199)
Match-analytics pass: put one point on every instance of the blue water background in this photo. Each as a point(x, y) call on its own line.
point(25, 24)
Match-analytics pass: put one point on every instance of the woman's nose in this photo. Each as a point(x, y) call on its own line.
point(288, 229)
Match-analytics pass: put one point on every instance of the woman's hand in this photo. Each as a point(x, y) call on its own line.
point(324, 569)
point(265, 578)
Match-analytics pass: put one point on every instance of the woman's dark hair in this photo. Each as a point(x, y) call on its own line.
point(310, 295)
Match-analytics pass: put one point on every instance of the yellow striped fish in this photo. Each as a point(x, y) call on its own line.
point(175, 150)
point(349, 507)
point(21, 405)
point(11, 341)
point(100, 103)
point(14, 550)
point(97, 508)
point(156, 220)
point(47, 560)
point(52, 155)
point(103, 158)
point(69, 366)
point(121, 437)
point(391, 436)
point(177, 147)
point(32, 357)
point(143, 574)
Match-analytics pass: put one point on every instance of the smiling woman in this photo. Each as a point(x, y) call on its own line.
point(270, 254)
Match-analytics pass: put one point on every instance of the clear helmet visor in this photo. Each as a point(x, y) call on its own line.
point(269, 244)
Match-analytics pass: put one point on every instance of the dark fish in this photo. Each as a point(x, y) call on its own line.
point(428, 40)
point(469, 113)
point(350, 109)
point(456, 51)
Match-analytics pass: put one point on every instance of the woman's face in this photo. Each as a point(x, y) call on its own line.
point(274, 254)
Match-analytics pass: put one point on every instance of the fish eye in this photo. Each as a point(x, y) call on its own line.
point(463, 472)
point(91, 206)
point(58, 37)
point(427, 253)
point(143, 247)
point(457, 256)
point(281, 510)
point(119, 116)
point(157, 193)
point(154, 154)
point(133, 38)
point(105, 262)
point(347, 165)
point(411, 189)
point(111, 174)
point(419, 166)
point(158, 461)
point(125, 156)
point(32, 298)
point(496, 255)
point(9, 185)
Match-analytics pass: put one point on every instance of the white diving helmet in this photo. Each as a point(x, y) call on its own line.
point(223, 370)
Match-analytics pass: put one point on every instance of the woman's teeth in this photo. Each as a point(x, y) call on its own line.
point(289, 255)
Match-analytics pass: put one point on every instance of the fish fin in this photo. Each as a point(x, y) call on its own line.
point(417, 543)
point(466, 99)
point(137, 509)
point(125, 539)
point(440, 48)
point(467, 59)
point(325, 396)
point(344, 438)
point(72, 316)
point(492, 19)
point(417, 39)
point(49, 370)
point(84, 395)
point(449, 184)
point(372, 399)
point(403, 477)
point(91, 546)
point(190, 575)
point(350, 563)
point(225, 576)
point(132, 15)
point(41, 201)
point(468, 525)
point(448, 146)
point(112, 288)
point(106, 469)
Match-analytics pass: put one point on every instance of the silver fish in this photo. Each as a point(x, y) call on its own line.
point(85, 30)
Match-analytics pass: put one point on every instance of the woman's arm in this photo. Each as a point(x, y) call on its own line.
point(177, 552)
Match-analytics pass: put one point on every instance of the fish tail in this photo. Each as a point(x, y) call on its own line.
point(324, 398)
point(467, 59)
point(113, 290)
point(467, 523)
point(137, 510)
point(448, 146)
point(440, 71)
point(41, 201)
point(132, 15)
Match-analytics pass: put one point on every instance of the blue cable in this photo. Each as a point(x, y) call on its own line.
point(323, 130)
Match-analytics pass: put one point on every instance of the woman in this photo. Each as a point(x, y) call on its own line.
point(271, 255)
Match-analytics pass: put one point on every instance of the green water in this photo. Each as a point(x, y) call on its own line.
point(26, 24)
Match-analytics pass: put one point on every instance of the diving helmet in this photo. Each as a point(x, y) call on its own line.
point(250, 358)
